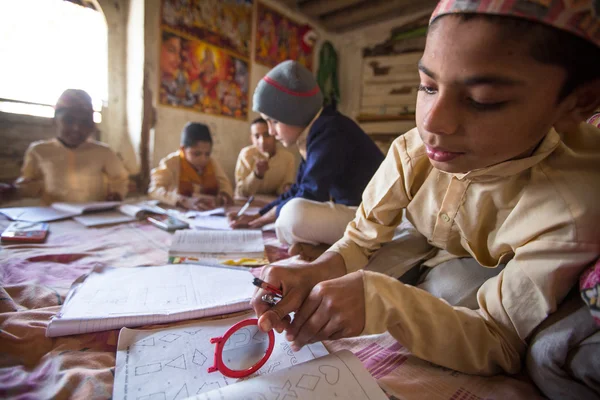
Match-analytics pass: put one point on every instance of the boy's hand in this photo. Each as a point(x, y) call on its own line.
point(113, 196)
point(260, 168)
point(297, 282)
point(253, 221)
point(241, 222)
point(334, 309)
point(199, 203)
point(223, 199)
point(204, 202)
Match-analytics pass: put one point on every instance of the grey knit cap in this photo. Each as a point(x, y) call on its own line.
point(288, 93)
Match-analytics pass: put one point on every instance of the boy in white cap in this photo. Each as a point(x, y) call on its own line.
point(500, 175)
point(338, 160)
point(72, 167)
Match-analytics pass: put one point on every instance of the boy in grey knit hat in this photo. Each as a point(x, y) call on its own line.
point(338, 160)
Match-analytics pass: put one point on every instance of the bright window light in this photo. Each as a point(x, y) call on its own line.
point(47, 46)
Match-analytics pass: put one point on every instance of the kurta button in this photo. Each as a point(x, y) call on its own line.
point(445, 218)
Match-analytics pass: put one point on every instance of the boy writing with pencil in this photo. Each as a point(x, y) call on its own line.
point(190, 177)
point(501, 175)
point(72, 167)
point(338, 160)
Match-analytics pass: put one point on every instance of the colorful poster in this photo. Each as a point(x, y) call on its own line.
point(202, 77)
point(278, 38)
point(226, 24)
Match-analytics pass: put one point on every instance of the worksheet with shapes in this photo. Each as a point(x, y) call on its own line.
point(172, 363)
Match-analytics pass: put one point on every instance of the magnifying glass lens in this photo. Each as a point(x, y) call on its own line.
point(245, 348)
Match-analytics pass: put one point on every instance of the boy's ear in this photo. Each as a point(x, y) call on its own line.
point(579, 106)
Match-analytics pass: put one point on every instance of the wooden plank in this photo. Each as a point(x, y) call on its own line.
point(317, 8)
point(387, 110)
point(394, 90)
point(374, 11)
point(392, 78)
point(399, 59)
point(377, 101)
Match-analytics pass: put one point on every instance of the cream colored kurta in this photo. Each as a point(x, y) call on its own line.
point(281, 172)
point(57, 173)
point(541, 215)
point(164, 179)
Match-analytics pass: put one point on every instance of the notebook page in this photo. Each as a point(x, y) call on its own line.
point(174, 361)
point(80, 208)
point(35, 214)
point(220, 211)
point(217, 242)
point(212, 223)
point(336, 376)
point(110, 298)
point(103, 218)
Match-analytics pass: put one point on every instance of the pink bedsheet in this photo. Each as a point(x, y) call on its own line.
point(35, 279)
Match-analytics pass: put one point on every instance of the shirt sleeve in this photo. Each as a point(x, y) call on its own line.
point(31, 181)
point(162, 186)
point(326, 154)
point(246, 182)
point(380, 212)
point(493, 338)
point(224, 182)
point(116, 173)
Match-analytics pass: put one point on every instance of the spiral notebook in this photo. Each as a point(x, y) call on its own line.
point(112, 298)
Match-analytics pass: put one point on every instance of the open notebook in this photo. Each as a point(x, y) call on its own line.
point(175, 360)
point(56, 211)
point(112, 298)
point(214, 246)
point(123, 213)
point(336, 376)
point(172, 363)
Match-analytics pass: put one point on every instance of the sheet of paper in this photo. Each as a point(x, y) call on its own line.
point(103, 218)
point(111, 298)
point(336, 376)
point(137, 210)
point(220, 211)
point(172, 363)
point(217, 242)
point(210, 223)
point(35, 214)
point(80, 208)
point(269, 227)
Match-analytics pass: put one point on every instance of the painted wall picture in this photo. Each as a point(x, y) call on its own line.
point(226, 24)
point(202, 77)
point(279, 38)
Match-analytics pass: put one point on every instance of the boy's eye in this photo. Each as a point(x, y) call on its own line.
point(427, 89)
point(486, 106)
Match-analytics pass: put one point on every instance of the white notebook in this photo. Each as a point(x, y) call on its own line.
point(214, 244)
point(175, 360)
point(336, 376)
point(112, 298)
point(124, 213)
point(56, 211)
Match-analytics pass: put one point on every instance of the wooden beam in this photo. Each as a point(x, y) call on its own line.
point(373, 12)
point(317, 8)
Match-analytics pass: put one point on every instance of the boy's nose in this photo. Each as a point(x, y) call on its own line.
point(443, 117)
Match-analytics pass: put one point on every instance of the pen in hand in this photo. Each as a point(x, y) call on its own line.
point(244, 207)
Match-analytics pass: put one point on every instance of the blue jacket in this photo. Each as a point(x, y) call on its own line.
point(340, 161)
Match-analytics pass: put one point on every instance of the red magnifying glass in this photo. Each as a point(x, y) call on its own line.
point(242, 350)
